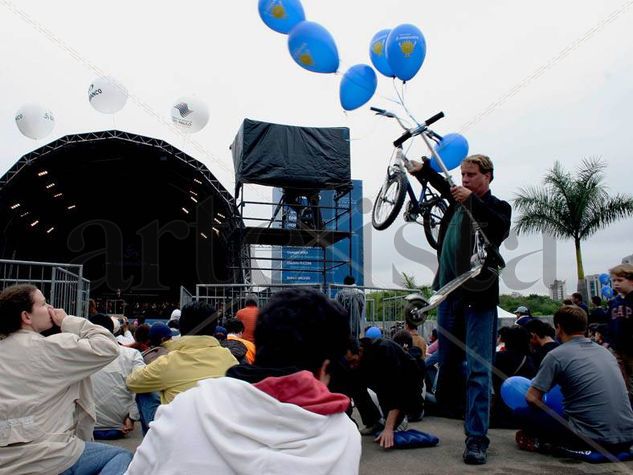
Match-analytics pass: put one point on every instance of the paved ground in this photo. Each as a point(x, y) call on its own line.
point(446, 458)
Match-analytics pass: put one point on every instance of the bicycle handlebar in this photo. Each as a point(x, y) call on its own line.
point(418, 130)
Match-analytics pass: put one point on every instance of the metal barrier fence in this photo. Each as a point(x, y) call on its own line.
point(63, 284)
point(185, 296)
point(384, 307)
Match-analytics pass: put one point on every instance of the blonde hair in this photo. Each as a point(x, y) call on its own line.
point(623, 270)
point(483, 162)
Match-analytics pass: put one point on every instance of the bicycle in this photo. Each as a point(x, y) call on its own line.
point(431, 205)
point(429, 208)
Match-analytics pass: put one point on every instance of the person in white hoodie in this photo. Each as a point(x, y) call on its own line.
point(274, 417)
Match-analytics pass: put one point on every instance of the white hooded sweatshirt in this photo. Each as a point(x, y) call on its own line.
point(228, 426)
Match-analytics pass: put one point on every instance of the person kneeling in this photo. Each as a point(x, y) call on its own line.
point(597, 413)
point(276, 416)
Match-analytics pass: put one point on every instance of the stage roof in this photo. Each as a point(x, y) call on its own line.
point(141, 215)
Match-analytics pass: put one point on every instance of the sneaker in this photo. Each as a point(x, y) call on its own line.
point(403, 425)
point(475, 452)
point(372, 430)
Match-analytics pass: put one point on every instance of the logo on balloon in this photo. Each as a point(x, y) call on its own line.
point(189, 114)
point(378, 48)
point(107, 95)
point(183, 109)
point(278, 11)
point(92, 94)
point(407, 47)
point(306, 59)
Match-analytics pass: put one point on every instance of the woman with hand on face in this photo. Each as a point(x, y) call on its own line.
point(46, 403)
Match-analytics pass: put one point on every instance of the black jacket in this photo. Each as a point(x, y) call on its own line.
point(494, 218)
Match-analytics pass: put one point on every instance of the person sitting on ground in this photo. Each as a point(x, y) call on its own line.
point(46, 400)
point(542, 341)
point(621, 321)
point(141, 338)
point(395, 377)
point(405, 340)
point(601, 335)
point(114, 404)
point(159, 333)
point(597, 314)
point(122, 331)
point(433, 343)
point(576, 299)
point(248, 316)
point(418, 341)
point(174, 326)
point(195, 356)
point(224, 425)
point(598, 414)
point(523, 315)
point(515, 360)
point(235, 332)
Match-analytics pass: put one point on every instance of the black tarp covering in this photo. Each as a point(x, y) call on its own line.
point(287, 156)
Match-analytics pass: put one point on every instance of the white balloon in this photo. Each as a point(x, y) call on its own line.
point(34, 121)
point(189, 114)
point(107, 95)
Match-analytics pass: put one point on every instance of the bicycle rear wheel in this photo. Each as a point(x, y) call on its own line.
point(389, 201)
point(431, 221)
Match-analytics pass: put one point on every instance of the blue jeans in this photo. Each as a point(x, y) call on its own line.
point(107, 434)
point(147, 405)
point(466, 329)
point(100, 459)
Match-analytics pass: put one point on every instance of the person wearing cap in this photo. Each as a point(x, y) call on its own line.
point(159, 333)
point(193, 357)
point(373, 333)
point(523, 315)
point(277, 416)
point(468, 316)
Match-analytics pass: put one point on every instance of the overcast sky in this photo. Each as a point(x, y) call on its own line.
point(527, 83)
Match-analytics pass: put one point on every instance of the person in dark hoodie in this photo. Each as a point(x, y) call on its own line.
point(225, 424)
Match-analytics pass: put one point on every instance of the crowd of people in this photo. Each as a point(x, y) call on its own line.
point(272, 389)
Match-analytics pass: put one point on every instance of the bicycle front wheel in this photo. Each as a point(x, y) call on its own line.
point(389, 201)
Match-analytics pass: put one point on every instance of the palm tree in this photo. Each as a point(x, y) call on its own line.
point(571, 206)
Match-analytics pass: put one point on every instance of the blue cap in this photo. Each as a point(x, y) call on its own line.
point(158, 331)
point(373, 333)
point(220, 330)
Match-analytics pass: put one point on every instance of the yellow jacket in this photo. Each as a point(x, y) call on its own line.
point(190, 359)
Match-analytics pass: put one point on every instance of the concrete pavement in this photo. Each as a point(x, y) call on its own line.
point(446, 458)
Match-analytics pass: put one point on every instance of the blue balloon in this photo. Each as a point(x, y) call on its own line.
point(281, 15)
point(513, 391)
point(606, 291)
point(554, 400)
point(313, 48)
point(406, 49)
point(357, 86)
point(452, 149)
point(378, 53)
point(604, 279)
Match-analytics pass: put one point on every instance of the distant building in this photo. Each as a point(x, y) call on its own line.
point(557, 290)
point(627, 259)
point(592, 285)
